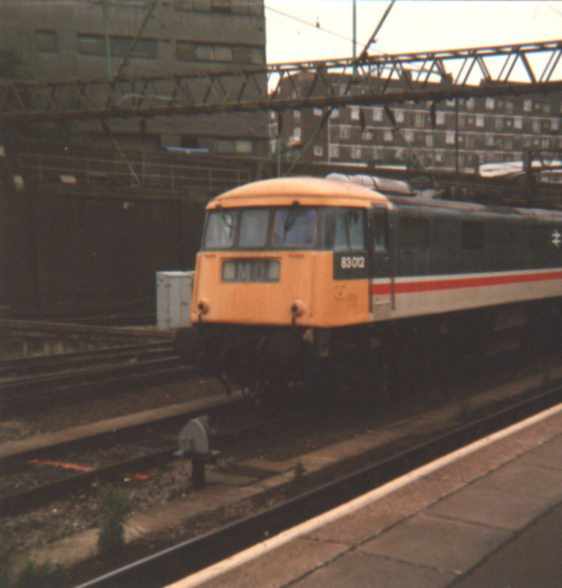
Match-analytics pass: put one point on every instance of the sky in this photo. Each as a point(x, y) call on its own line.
point(301, 30)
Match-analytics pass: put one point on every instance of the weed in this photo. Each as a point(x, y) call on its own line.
point(115, 508)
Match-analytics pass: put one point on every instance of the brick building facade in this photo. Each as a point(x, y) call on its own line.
point(452, 135)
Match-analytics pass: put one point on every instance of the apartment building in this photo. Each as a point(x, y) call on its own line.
point(90, 39)
point(452, 135)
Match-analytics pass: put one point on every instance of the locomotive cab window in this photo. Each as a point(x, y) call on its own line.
point(254, 225)
point(220, 229)
point(295, 227)
point(344, 229)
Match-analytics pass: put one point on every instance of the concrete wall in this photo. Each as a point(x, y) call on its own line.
point(67, 41)
point(4, 248)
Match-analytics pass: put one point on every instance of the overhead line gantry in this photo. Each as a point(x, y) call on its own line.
point(527, 68)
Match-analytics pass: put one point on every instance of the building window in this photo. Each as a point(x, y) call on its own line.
point(297, 115)
point(554, 124)
point(518, 122)
point(256, 55)
point(490, 103)
point(318, 150)
point(429, 140)
point(440, 118)
point(91, 44)
point(367, 135)
point(480, 120)
point(399, 115)
point(46, 41)
point(297, 134)
point(450, 137)
point(509, 106)
point(409, 136)
point(354, 112)
point(470, 104)
point(499, 123)
point(388, 136)
point(242, 146)
point(213, 53)
point(419, 120)
point(355, 152)
point(247, 7)
point(527, 105)
point(230, 146)
point(143, 48)
point(334, 151)
point(119, 46)
point(489, 140)
point(317, 112)
point(335, 113)
point(224, 146)
point(536, 126)
point(345, 132)
point(377, 114)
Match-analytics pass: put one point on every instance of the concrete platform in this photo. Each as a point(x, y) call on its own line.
point(489, 515)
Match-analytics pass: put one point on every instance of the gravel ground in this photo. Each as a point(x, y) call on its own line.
point(63, 414)
point(298, 428)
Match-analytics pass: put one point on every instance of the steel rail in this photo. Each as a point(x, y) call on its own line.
point(14, 504)
point(189, 556)
point(103, 382)
point(62, 361)
point(47, 381)
point(380, 79)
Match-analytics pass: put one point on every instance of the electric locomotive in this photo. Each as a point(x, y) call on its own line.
point(294, 272)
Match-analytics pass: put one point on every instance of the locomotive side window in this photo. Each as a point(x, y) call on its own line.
point(380, 231)
point(295, 227)
point(356, 228)
point(254, 225)
point(220, 229)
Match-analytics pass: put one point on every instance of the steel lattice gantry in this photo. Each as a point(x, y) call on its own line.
point(379, 79)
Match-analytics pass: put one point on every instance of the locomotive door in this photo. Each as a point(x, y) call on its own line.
point(381, 266)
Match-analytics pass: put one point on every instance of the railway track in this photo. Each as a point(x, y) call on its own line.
point(36, 483)
point(40, 365)
point(73, 465)
point(189, 556)
point(85, 373)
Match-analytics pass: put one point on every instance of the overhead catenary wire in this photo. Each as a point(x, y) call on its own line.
point(307, 23)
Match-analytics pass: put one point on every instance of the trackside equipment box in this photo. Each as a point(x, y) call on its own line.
point(173, 297)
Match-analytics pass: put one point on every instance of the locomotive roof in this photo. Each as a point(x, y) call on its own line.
point(308, 189)
point(331, 192)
